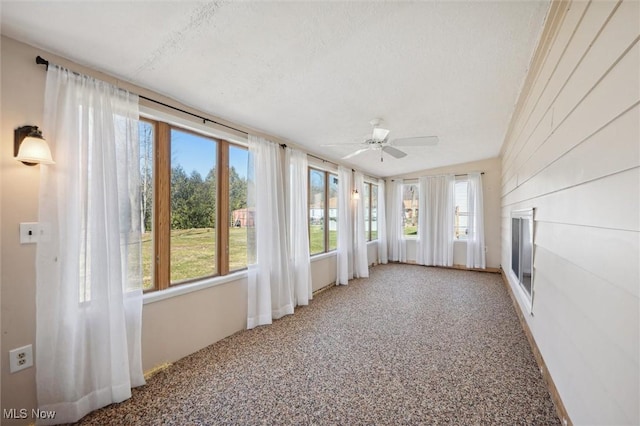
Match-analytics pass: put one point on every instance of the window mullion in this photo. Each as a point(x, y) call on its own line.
point(370, 222)
point(162, 211)
point(326, 212)
point(222, 212)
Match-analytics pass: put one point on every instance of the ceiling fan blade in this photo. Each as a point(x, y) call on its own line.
point(417, 141)
point(379, 133)
point(393, 152)
point(354, 153)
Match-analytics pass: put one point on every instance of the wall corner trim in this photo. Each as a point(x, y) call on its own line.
point(546, 375)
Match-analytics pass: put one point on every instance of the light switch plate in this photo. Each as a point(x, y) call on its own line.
point(29, 232)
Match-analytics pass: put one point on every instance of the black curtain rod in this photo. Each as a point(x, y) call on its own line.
point(41, 61)
point(204, 119)
point(467, 174)
point(338, 165)
point(463, 174)
point(323, 160)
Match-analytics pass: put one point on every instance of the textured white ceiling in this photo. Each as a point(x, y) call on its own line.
point(313, 72)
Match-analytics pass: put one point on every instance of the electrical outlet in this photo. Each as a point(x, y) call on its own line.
point(20, 358)
point(29, 232)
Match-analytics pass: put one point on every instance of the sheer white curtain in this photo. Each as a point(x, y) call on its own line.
point(382, 224)
point(298, 209)
point(475, 236)
point(397, 248)
point(360, 261)
point(436, 220)
point(345, 234)
point(88, 263)
point(270, 294)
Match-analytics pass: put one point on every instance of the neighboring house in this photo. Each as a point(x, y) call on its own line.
point(242, 218)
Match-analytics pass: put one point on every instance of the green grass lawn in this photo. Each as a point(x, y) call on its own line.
point(193, 253)
point(410, 230)
point(316, 239)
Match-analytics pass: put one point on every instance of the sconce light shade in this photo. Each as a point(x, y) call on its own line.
point(356, 194)
point(30, 147)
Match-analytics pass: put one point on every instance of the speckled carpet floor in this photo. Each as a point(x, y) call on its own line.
point(409, 345)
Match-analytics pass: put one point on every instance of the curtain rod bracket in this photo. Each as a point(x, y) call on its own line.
point(41, 61)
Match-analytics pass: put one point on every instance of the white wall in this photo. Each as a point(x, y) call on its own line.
point(572, 153)
point(491, 192)
point(172, 328)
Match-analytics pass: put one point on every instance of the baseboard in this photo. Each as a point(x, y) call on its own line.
point(325, 288)
point(158, 368)
point(459, 267)
point(464, 268)
point(546, 376)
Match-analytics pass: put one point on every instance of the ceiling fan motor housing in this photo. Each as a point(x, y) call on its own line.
point(375, 144)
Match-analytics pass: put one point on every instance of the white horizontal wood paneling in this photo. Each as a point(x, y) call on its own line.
point(584, 162)
point(588, 402)
point(592, 17)
point(510, 184)
point(557, 49)
point(574, 155)
point(615, 93)
point(602, 203)
point(602, 252)
point(615, 38)
point(606, 313)
point(583, 80)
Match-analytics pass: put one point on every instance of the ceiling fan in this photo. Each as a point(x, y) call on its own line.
point(379, 141)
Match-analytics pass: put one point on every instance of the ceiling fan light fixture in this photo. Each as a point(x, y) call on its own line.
point(379, 134)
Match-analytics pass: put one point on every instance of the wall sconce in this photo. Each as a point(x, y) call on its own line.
point(30, 147)
point(355, 194)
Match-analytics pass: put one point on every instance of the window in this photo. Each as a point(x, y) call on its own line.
point(374, 212)
point(193, 206)
point(461, 222)
point(333, 212)
point(146, 134)
point(323, 211)
point(367, 210)
point(371, 211)
point(317, 205)
point(522, 250)
point(410, 210)
point(188, 232)
point(239, 216)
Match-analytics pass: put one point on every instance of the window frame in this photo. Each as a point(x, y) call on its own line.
point(161, 208)
point(518, 276)
point(457, 215)
point(153, 260)
point(228, 211)
point(417, 189)
point(369, 217)
point(326, 219)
